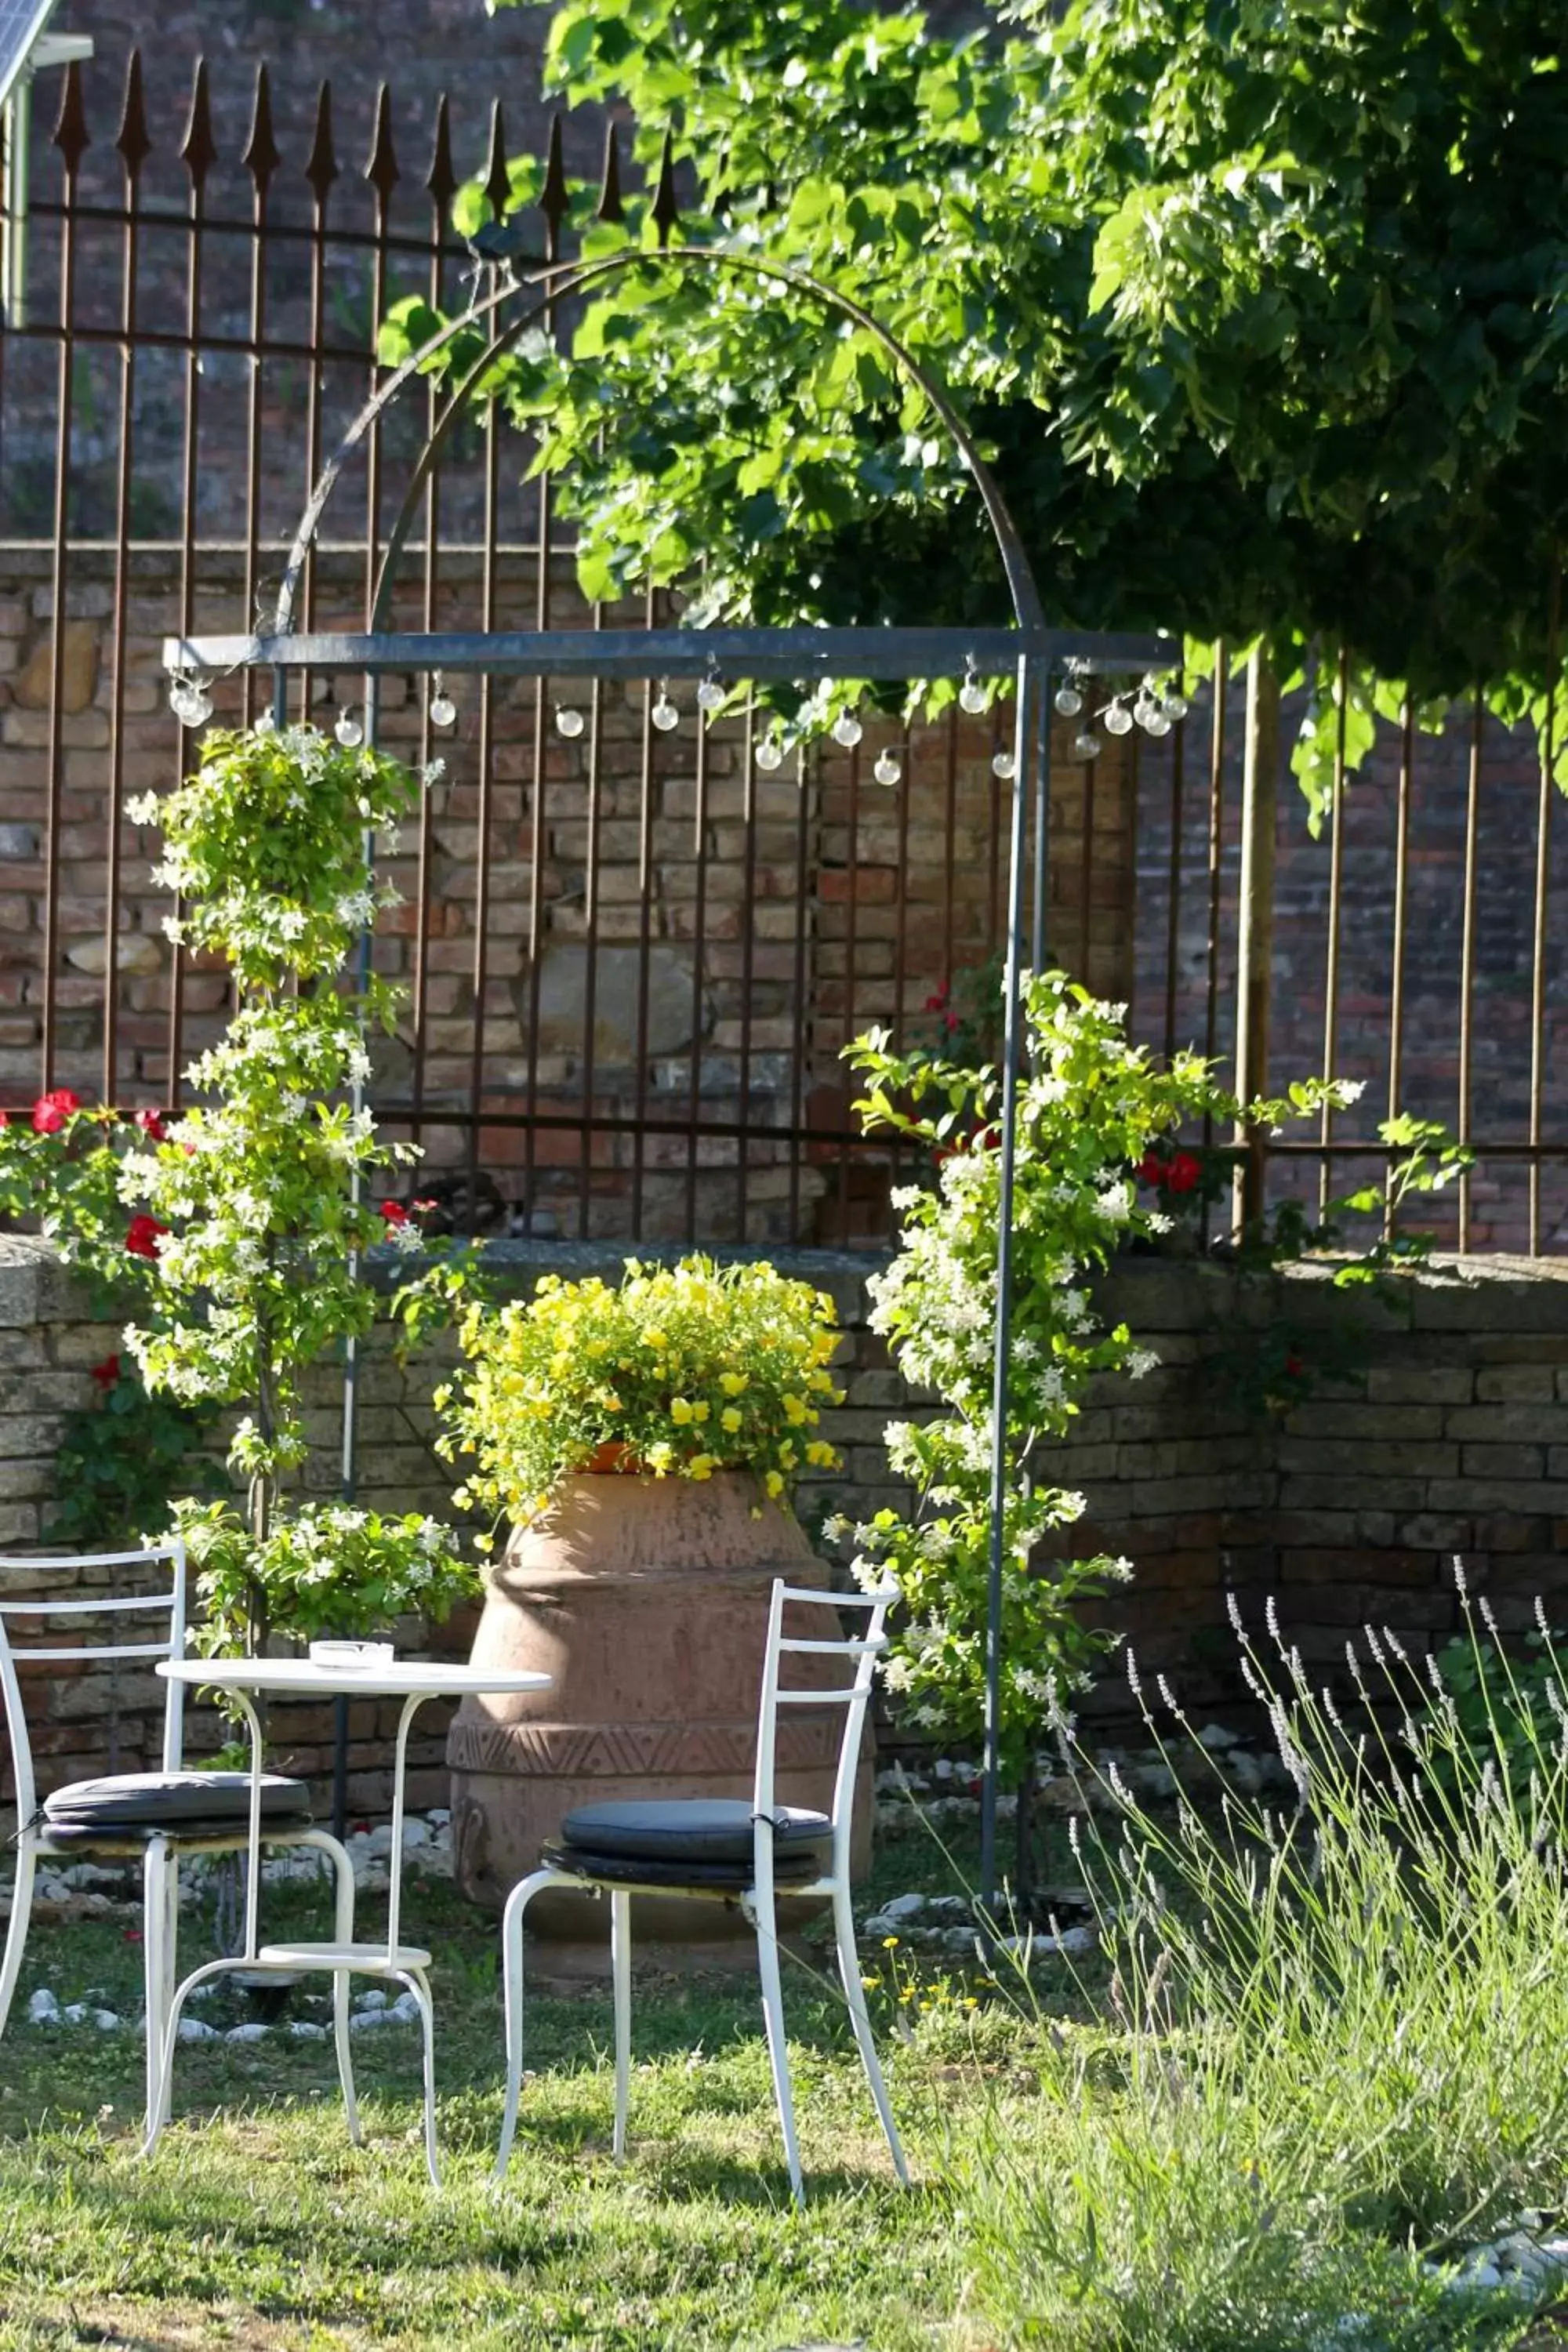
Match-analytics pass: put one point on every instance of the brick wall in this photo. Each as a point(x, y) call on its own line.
point(1450, 1434)
point(760, 949)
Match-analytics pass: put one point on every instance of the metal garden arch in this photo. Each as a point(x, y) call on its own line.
point(1030, 649)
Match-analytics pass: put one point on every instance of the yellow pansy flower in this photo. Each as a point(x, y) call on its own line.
point(701, 1465)
point(729, 1420)
point(680, 1411)
point(731, 1382)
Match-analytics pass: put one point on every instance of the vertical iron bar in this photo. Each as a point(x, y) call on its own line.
point(1253, 990)
point(1173, 930)
point(1396, 986)
point(645, 928)
point(904, 789)
point(949, 858)
point(199, 157)
point(1085, 870)
point(804, 779)
point(440, 184)
point(748, 912)
point(1011, 1028)
point(1542, 877)
point(132, 148)
point(1467, 955)
point(1331, 960)
point(71, 145)
point(699, 948)
point(851, 951)
point(1040, 920)
point(590, 949)
point(1216, 877)
point(482, 815)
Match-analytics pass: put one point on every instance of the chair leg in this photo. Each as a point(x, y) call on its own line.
point(621, 1977)
point(415, 1979)
point(154, 1974)
point(17, 1934)
point(766, 1922)
point(855, 1994)
point(343, 1932)
point(517, 1903)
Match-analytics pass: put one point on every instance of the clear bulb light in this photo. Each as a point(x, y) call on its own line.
point(1117, 719)
point(570, 723)
point(1086, 744)
point(1176, 707)
point(442, 709)
point(349, 731)
point(1145, 710)
point(847, 729)
point(1157, 724)
point(886, 770)
point(664, 714)
point(1004, 766)
point(770, 754)
point(972, 694)
point(1068, 701)
point(710, 695)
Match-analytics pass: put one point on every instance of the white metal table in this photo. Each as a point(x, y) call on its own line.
point(245, 1680)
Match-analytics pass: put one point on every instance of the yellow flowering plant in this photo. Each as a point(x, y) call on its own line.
point(674, 1372)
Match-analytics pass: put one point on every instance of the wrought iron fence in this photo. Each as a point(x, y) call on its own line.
point(632, 959)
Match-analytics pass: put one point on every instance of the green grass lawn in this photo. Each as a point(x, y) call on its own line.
point(256, 2224)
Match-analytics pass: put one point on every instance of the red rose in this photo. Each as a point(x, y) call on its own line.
point(937, 1002)
point(394, 1212)
point(950, 1022)
point(1294, 1367)
point(51, 1111)
point(150, 1122)
point(1183, 1173)
point(107, 1374)
point(143, 1235)
point(1151, 1169)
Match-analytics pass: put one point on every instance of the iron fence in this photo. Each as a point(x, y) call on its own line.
point(632, 958)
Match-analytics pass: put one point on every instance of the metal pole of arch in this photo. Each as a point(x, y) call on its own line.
point(1030, 684)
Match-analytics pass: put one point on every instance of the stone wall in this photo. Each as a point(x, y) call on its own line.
point(1445, 1431)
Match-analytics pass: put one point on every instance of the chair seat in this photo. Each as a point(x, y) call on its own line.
point(690, 1830)
point(801, 1868)
point(131, 1806)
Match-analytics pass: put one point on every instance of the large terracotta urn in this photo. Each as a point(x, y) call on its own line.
point(645, 1601)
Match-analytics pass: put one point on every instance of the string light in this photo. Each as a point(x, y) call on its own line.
point(1118, 719)
point(569, 722)
point(710, 694)
point(972, 694)
point(886, 770)
point(847, 729)
point(770, 754)
point(348, 731)
point(1086, 744)
point(442, 709)
point(1004, 766)
point(664, 714)
point(189, 701)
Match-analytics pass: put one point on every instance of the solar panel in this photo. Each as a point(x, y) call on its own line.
point(21, 23)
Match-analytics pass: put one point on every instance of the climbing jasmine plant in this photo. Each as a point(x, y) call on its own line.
point(1091, 1108)
point(247, 1216)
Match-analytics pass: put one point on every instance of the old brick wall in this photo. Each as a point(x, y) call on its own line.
point(1449, 1432)
point(764, 922)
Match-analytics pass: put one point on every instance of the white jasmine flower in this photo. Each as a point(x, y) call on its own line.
point(1142, 1361)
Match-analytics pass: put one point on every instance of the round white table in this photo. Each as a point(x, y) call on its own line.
point(413, 1681)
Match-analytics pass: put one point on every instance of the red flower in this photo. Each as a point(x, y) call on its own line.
point(394, 1212)
point(937, 1003)
point(425, 1207)
point(4, 1118)
point(1184, 1172)
point(1151, 1168)
point(143, 1235)
point(1294, 1367)
point(150, 1122)
point(107, 1374)
point(51, 1111)
point(950, 1022)
point(134, 1935)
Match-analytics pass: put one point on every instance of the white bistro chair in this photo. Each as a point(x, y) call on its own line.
point(726, 1850)
point(156, 1816)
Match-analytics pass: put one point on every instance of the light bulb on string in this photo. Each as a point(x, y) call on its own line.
point(1176, 707)
point(1117, 719)
point(972, 694)
point(1157, 723)
point(569, 722)
point(201, 703)
point(847, 729)
point(886, 770)
point(770, 754)
point(1004, 766)
point(1068, 701)
point(1086, 744)
point(710, 695)
point(664, 714)
point(348, 731)
point(182, 699)
point(442, 709)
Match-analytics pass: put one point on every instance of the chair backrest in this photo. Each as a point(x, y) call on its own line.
point(860, 1650)
point(167, 1608)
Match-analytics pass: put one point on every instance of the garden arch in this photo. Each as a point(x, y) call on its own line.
point(1032, 651)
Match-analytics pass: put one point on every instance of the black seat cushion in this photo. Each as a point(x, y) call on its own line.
point(796, 1867)
point(690, 1829)
point(184, 1804)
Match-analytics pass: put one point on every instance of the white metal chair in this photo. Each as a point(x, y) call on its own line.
point(726, 1850)
point(157, 1816)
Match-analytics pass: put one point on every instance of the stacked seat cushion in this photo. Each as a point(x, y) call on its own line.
point(694, 1841)
point(130, 1805)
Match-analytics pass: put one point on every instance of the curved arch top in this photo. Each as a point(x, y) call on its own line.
point(549, 286)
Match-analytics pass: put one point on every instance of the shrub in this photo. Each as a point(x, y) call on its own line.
point(684, 1370)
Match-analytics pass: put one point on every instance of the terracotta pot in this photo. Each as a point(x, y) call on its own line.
point(645, 1601)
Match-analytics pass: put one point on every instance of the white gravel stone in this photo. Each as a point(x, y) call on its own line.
point(197, 2029)
point(254, 2031)
point(439, 1817)
point(363, 2018)
point(903, 1907)
point(301, 2028)
point(44, 2009)
point(374, 1998)
point(416, 1831)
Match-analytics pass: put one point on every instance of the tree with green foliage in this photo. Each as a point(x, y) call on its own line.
point(1259, 308)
